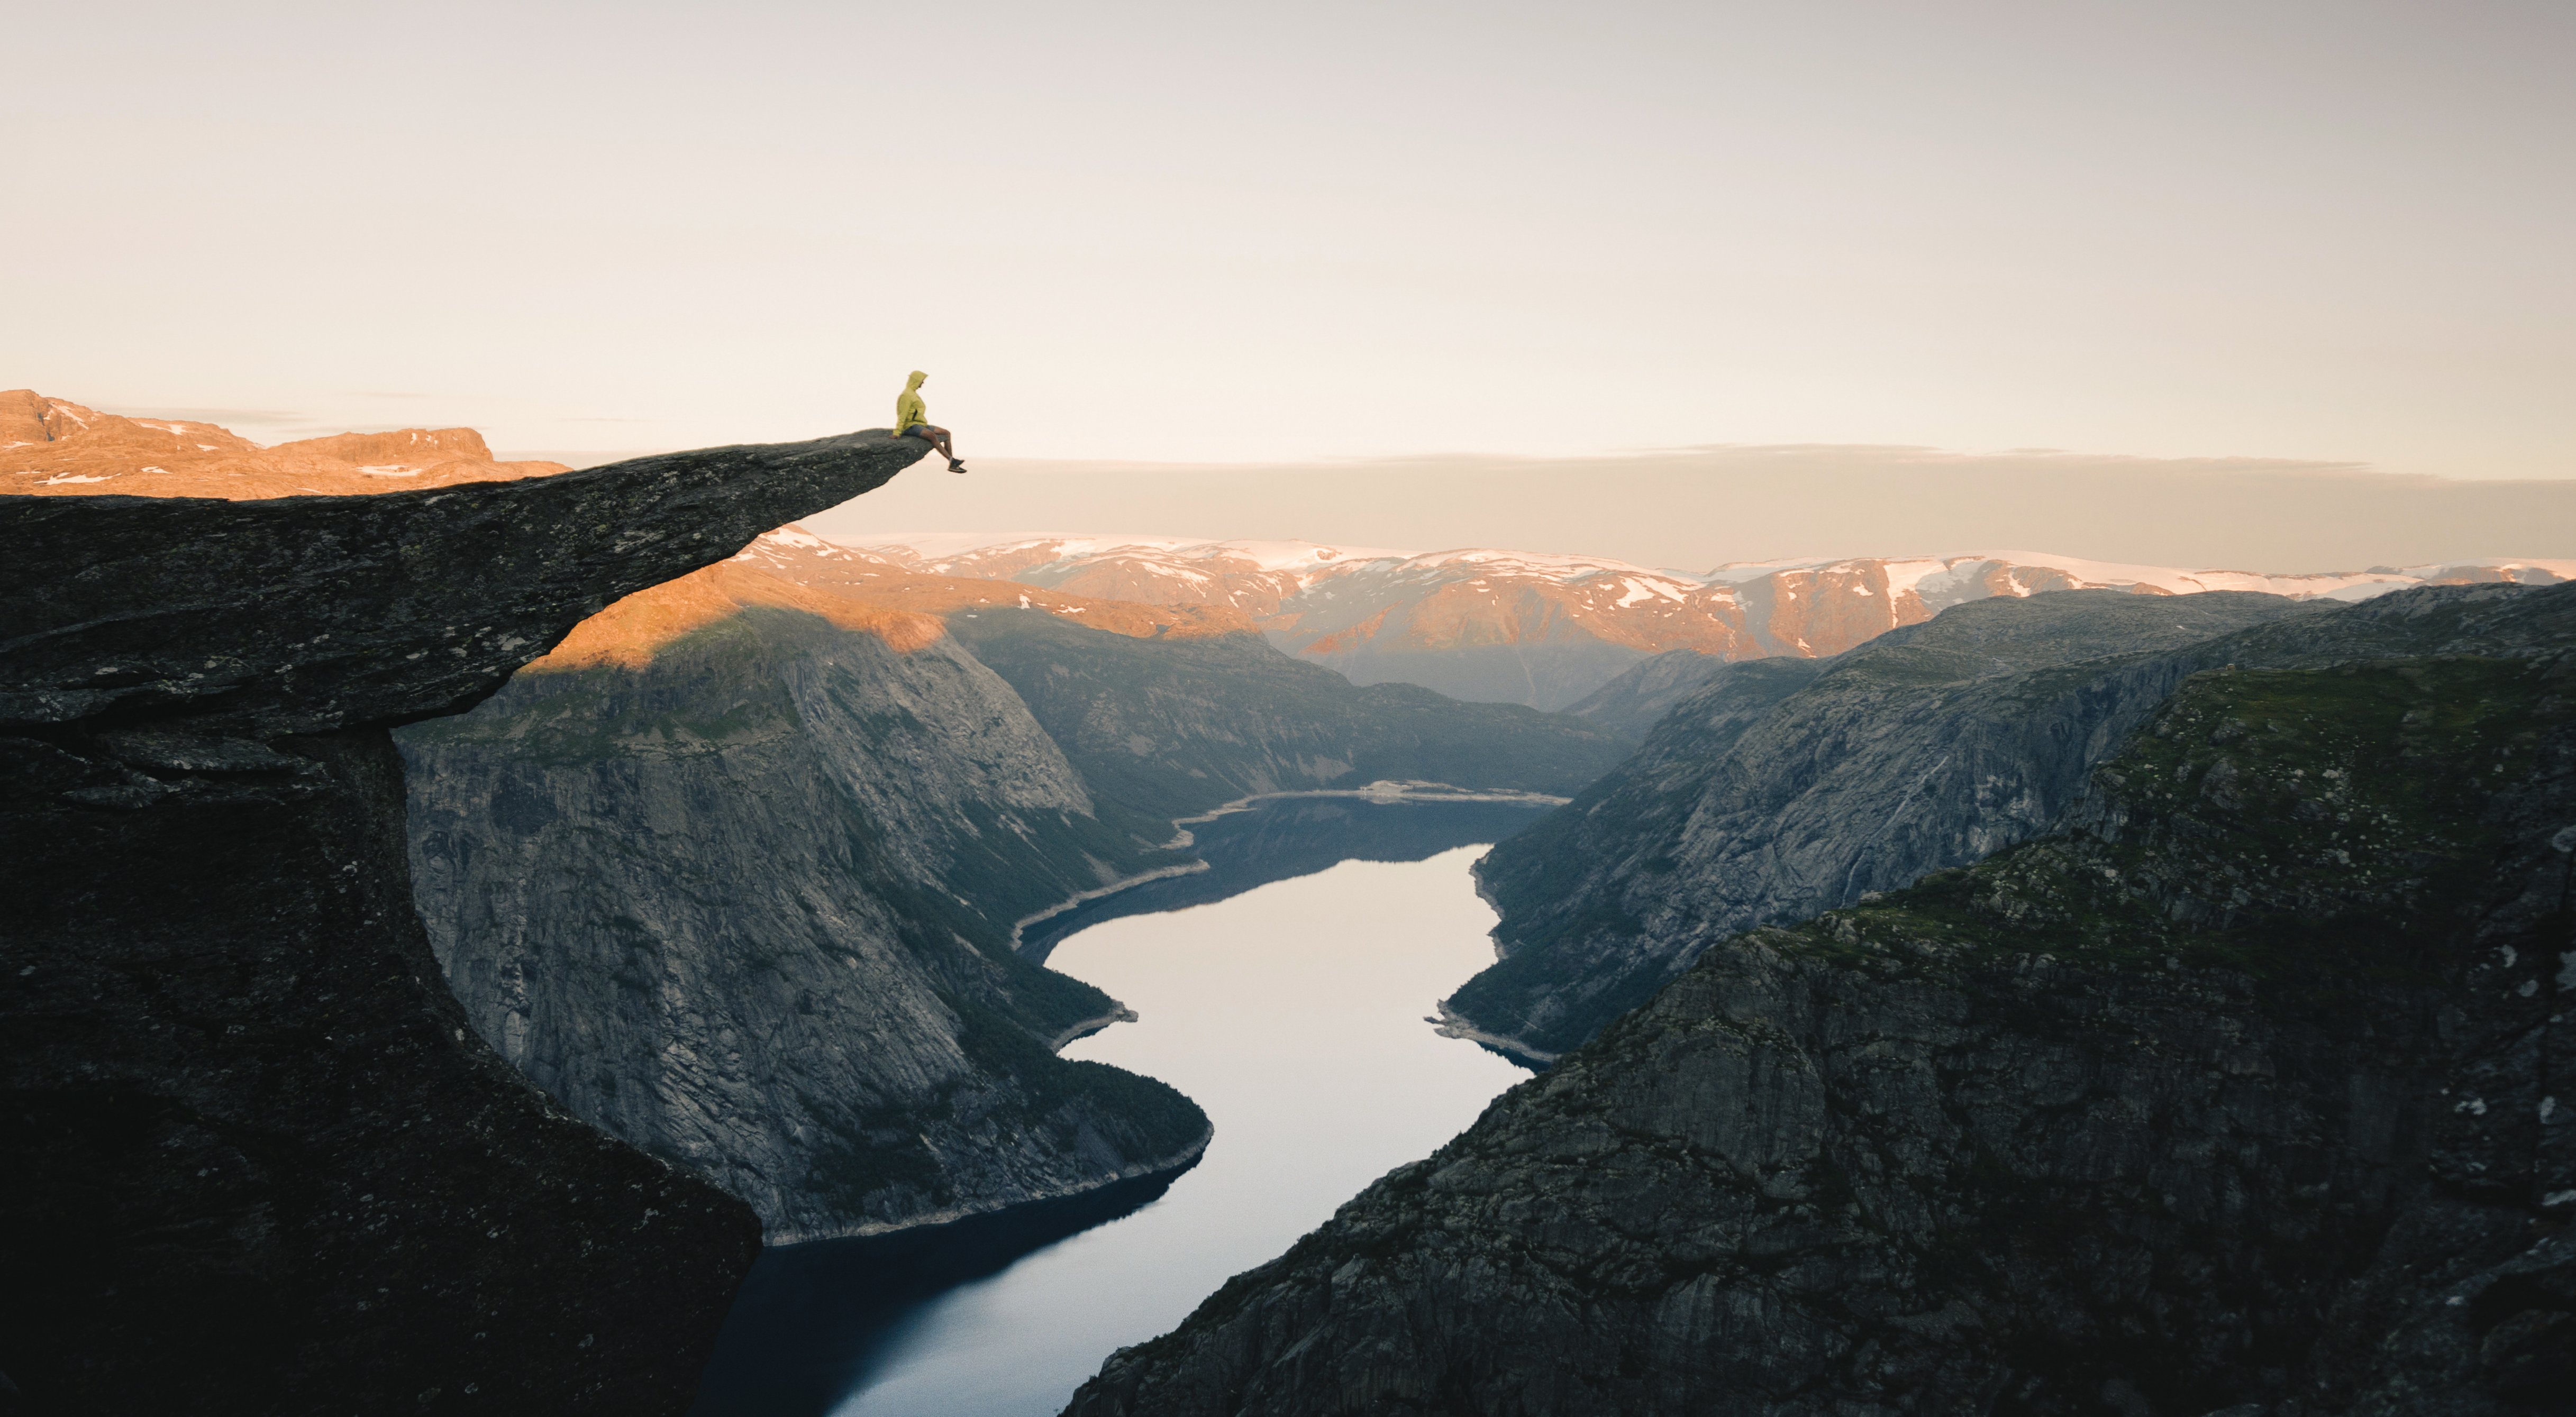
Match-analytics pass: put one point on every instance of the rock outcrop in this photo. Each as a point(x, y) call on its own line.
point(2245, 1094)
point(733, 874)
point(259, 1164)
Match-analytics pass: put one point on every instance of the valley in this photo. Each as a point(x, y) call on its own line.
point(1995, 981)
point(1285, 995)
point(1546, 710)
point(2236, 1091)
point(739, 871)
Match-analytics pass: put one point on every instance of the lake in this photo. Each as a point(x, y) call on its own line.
point(1285, 991)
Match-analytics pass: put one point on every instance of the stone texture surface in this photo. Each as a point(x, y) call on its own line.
point(258, 1162)
point(2243, 1095)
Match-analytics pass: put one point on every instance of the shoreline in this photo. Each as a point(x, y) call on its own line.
point(1386, 791)
point(1090, 1026)
point(1448, 1023)
point(1172, 1165)
point(1160, 873)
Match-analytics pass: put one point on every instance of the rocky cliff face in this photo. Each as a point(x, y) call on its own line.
point(740, 889)
point(1775, 791)
point(259, 1163)
point(2244, 1095)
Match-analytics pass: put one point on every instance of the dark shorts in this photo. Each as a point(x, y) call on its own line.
point(924, 432)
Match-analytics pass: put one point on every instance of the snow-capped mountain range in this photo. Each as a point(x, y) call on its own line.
point(1546, 629)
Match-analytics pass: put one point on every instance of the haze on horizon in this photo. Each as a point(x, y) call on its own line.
point(2298, 233)
point(1693, 509)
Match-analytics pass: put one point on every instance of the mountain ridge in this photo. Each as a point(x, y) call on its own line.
point(1547, 630)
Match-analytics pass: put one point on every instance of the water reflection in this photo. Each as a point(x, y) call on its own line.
point(1291, 1010)
point(816, 1322)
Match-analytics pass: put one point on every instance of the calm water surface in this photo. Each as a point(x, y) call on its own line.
point(1292, 1012)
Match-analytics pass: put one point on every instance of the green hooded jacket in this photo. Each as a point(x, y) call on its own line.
point(908, 410)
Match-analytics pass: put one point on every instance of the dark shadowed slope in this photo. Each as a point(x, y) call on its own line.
point(258, 1162)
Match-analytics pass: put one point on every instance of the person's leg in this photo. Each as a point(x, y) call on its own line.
point(939, 439)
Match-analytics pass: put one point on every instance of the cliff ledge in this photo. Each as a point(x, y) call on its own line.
point(258, 1162)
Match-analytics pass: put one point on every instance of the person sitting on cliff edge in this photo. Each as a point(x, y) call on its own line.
point(912, 420)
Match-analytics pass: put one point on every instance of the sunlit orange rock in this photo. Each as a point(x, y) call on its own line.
point(53, 447)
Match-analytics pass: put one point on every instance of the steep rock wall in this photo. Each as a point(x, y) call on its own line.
point(748, 906)
point(259, 1164)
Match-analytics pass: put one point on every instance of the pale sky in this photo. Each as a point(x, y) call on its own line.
point(1697, 508)
point(2308, 231)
